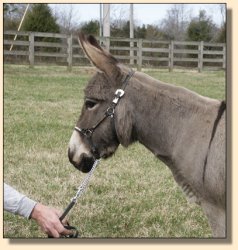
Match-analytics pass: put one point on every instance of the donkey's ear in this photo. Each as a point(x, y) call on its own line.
point(102, 59)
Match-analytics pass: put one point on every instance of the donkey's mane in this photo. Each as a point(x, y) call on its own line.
point(180, 96)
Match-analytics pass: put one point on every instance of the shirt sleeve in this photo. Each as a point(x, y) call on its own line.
point(17, 203)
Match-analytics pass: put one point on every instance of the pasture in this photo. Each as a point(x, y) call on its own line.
point(130, 195)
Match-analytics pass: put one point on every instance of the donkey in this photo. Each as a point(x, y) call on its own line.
point(183, 129)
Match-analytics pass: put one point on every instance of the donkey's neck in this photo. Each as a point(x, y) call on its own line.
point(163, 112)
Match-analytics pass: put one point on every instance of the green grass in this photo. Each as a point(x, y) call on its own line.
point(131, 194)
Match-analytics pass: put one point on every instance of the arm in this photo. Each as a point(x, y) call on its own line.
point(47, 218)
point(17, 203)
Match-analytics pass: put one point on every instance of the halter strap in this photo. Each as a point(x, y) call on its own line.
point(127, 79)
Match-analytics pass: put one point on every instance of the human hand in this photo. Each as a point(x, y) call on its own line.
point(48, 219)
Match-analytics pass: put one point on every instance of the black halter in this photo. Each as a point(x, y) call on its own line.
point(88, 132)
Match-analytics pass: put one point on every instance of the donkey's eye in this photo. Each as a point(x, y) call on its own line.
point(89, 104)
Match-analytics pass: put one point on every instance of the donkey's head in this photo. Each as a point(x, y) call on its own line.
point(104, 123)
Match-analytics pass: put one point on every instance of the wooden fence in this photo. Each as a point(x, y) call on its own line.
point(37, 48)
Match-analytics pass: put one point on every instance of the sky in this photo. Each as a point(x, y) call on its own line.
point(143, 13)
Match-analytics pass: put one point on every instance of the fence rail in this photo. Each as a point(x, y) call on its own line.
point(37, 47)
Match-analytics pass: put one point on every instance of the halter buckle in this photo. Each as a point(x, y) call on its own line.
point(118, 94)
point(86, 132)
point(110, 112)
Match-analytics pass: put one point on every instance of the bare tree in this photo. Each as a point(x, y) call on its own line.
point(175, 24)
point(222, 8)
point(119, 14)
point(119, 18)
point(13, 13)
point(65, 19)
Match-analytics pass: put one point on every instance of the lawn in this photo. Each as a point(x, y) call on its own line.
point(131, 194)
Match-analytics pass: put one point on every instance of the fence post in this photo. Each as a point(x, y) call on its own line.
point(139, 54)
point(224, 57)
point(107, 43)
point(200, 56)
point(171, 56)
point(131, 53)
point(31, 50)
point(70, 52)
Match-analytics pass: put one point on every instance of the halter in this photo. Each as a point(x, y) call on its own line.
point(110, 111)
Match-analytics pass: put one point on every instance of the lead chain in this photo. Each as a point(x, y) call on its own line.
point(85, 182)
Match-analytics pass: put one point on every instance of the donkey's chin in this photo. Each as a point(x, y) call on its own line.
point(106, 153)
point(85, 164)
